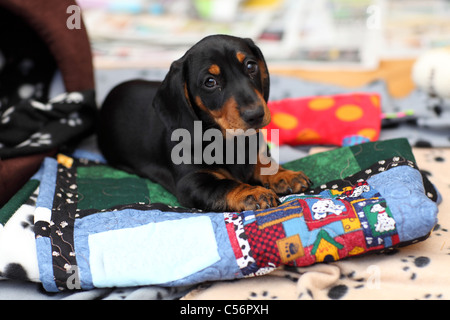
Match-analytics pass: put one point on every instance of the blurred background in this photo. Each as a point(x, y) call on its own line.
point(328, 34)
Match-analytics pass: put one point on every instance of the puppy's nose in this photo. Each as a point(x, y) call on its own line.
point(253, 116)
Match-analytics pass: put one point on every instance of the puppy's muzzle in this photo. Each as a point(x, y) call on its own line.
point(254, 116)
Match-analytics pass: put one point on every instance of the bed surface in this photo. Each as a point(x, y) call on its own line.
point(414, 272)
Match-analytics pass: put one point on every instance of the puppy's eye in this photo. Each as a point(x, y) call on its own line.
point(252, 67)
point(210, 83)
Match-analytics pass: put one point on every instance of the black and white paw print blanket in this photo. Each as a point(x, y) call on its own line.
point(31, 126)
point(41, 106)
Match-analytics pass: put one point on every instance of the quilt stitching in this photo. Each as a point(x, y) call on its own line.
point(337, 219)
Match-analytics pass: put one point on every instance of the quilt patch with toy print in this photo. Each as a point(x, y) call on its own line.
point(340, 219)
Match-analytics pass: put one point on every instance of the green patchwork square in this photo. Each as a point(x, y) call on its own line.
point(326, 166)
point(8, 210)
point(103, 187)
point(102, 172)
point(342, 162)
point(158, 194)
point(368, 153)
point(105, 193)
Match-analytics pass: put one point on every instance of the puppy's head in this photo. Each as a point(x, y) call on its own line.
point(223, 81)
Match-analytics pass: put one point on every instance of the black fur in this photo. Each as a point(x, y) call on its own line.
point(138, 118)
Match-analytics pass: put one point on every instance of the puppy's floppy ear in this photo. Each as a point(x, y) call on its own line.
point(172, 101)
point(265, 76)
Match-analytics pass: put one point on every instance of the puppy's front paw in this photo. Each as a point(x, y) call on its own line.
point(246, 197)
point(287, 182)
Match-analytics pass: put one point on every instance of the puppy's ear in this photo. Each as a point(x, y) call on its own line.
point(172, 101)
point(265, 76)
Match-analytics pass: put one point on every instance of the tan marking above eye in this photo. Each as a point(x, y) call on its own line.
point(214, 69)
point(240, 56)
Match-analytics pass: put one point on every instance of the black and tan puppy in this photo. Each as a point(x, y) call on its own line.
point(221, 81)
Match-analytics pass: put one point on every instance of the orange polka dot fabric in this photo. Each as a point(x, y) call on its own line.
point(340, 120)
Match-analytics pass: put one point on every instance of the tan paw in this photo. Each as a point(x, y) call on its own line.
point(286, 182)
point(246, 197)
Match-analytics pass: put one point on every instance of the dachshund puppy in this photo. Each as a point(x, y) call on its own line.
point(221, 83)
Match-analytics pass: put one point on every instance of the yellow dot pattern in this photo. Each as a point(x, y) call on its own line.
point(327, 120)
point(285, 121)
point(349, 113)
point(321, 103)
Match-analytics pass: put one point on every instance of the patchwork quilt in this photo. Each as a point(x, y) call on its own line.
point(80, 224)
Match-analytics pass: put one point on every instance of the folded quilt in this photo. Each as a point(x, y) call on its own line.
point(95, 226)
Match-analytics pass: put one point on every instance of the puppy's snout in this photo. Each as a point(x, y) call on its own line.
point(253, 116)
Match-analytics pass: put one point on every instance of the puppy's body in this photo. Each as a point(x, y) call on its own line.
point(223, 82)
point(132, 135)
